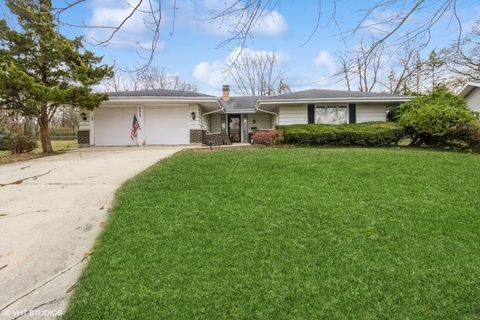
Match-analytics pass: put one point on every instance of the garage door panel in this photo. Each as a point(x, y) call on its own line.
point(113, 125)
point(166, 125)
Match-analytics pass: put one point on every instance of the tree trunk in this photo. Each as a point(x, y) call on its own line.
point(44, 132)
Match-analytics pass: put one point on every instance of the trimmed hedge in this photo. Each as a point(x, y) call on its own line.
point(372, 134)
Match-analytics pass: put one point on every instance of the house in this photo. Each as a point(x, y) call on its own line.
point(471, 93)
point(169, 117)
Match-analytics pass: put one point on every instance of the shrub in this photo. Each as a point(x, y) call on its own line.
point(3, 137)
point(267, 137)
point(9, 124)
point(20, 143)
point(373, 134)
point(466, 136)
point(429, 119)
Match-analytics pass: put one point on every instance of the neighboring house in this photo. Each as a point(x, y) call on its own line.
point(471, 93)
point(181, 117)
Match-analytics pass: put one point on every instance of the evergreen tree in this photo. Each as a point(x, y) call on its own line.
point(434, 64)
point(42, 70)
point(418, 73)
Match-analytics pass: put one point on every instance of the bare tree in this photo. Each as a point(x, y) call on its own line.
point(180, 84)
point(116, 82)
point(464, 61)
point(256, 73)
point(393, 68)
point(149, 10)
point(409, 66)
point(149, 79)
point(361, 67)
point(135, 79)
point(9, 122)
point(283, 87)
point(67, 117)
point(345, 67)
point(243, 16)
point(160, 78)
point(155, 78)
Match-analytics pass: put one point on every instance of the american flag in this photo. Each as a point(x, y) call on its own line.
point(135, 128)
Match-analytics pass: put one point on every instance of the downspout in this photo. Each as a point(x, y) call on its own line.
point(212, 112)
point(269, 112)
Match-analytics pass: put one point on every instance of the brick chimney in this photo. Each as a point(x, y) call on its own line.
point(226, 92)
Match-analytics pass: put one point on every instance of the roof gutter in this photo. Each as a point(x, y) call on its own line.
point(210, 112)
point(266, 111)
point(324, 100)
point(241, 111)
point(163, 98)
point(467, 88)
point(139, 99)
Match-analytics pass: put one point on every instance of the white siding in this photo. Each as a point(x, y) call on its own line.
point(262, 121)
point(371, 112)
point(274, 119)
point(215, 123)
point(293, 114)
point(473, 99)
point(206, 122)
point(199, 123)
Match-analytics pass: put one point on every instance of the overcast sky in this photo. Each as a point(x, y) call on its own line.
point(190, 48)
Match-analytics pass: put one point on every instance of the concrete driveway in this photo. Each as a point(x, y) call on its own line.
point(51, 211)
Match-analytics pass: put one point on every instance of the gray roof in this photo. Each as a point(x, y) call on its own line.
point(329, 94)
point(240, 103)
point(159, 93)
point(248, 103)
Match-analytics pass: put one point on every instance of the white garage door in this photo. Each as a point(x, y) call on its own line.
point(166, 125)
point(113, 125)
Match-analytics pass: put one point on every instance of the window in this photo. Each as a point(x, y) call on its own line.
point(331, 114)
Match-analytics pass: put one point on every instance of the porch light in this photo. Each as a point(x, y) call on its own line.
point(83, 115)
point(193, 115)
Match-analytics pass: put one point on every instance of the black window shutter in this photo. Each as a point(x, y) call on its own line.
point(311, 113)
point(352, 113)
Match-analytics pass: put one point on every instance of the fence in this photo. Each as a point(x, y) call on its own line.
point(63, 137)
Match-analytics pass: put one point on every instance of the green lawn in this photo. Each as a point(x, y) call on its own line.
point(58, 146)
point(291, 234)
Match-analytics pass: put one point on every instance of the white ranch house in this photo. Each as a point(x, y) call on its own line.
point(179, 117)
point(471, 93)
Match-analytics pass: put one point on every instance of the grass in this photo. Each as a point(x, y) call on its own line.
point(58, 147)
point(291, 234)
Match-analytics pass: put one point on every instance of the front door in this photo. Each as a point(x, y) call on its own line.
point(234, 128)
